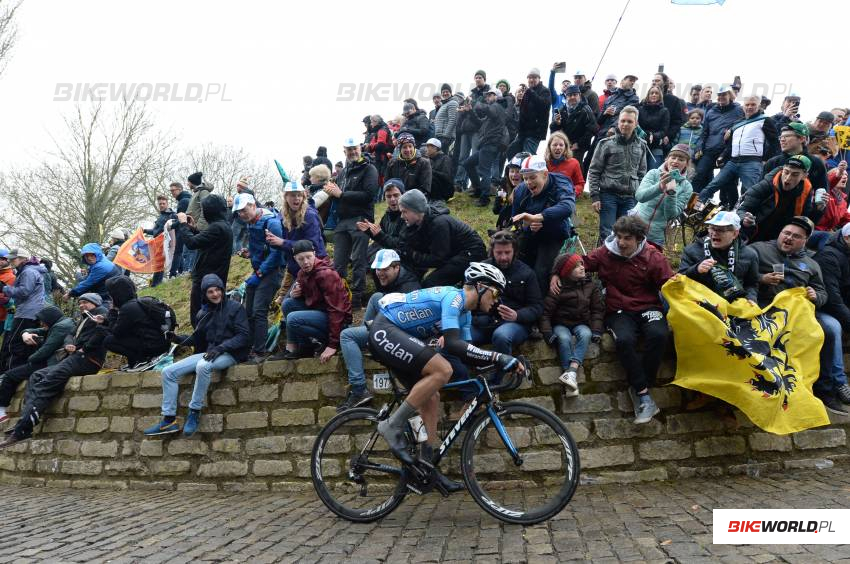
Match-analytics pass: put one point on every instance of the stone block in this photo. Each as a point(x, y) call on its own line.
point(93, 382)
point(265, 445)
point(272, 468)
point(538, 350)
point(56, 407)
point(684, 423)
point(196, 487)
point(116, 401)
point(68, 447)
point(548, 375)
point(128, 448)
point(300, 391)
point(631, 476)
point(151, 379)
point(187, 446)
point(578, 430)
point(48, 466)
point(539, 461)
point(41, 446)
point(303, 444)
point(147, 485)
point(25, 464)
point(608, 344)
point(606, 456)
point(223, 469)
point(291, 487)
point(125, 468)
point(719, 446)
point(333, 387)
point(665, 397)
point(230, 446)
point(278, 368)
point(98, 485)
point(248, 420)
point(593, 352)
point(211, 423)
point(769, 441)
point(545, 402)
point(664, 450)
point(149, 447)
point(244, 487)
point(147, 401)
point(326, 413)
point(754, 469)
point(122, 424)
point(293, 417)
point(813, 463)
point(820, 438)
point(88, 425)
point(105, 449)
point(82, 467)
point(83, 403)
point(223, 396)
point(625, 428)
point(8, 464)
point(74, 383)
point(125, 379)
point(586, 403)
point(311, 366)
point(265, 393)
point(242, 373)
point(184, 397)
point(699, 471)
point(607, 372)
point(329, 468)
point(169, 467)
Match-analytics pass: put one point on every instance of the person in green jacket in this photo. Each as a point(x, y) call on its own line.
point(664, 192)
point(51, 333)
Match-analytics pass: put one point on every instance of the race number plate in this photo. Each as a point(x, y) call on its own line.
point(381, 381)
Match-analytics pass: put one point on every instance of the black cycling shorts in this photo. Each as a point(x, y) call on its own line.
point(399, 351)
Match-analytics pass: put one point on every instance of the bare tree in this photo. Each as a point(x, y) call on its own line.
point(224, 165)
point(8, 31)
point(91, 184)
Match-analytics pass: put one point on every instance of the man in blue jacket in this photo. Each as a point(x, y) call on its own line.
point(718, 120)
point(543, 202)
point(266, 261)
point(100, 270)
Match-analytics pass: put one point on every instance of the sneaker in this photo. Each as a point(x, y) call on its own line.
point(833, 405)
point(843, 394)
point(646, 409)
point(163, 428)
point(568, 379)
point(255, 358)
point(354, 399)
point(192, 422)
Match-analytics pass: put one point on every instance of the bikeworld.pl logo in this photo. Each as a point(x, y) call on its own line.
point(140, 91)
point(781, 526)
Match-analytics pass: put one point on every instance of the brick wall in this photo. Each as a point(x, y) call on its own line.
point(257, 432)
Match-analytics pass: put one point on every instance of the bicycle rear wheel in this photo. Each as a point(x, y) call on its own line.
point(542, 485)
point(353, 471)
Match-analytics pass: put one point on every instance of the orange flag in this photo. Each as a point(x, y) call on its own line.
point(140, 255)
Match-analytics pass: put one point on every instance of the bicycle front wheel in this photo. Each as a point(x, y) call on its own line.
point(539, 483)
point(353, 470)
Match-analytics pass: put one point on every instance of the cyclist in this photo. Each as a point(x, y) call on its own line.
point(396, 339)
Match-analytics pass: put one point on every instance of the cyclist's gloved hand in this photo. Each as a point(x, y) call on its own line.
point(506, 362)
point(550, 338)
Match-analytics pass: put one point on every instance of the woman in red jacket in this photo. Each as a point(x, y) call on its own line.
point(318, 307)
point(559, 158)
point(835, 215)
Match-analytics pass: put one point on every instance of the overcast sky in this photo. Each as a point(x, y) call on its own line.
point(283, 64)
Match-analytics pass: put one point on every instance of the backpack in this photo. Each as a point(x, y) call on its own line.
point(159, 312)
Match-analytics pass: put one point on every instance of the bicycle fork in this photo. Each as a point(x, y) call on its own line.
point(503, 434)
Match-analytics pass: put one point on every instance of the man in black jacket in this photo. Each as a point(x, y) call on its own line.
point(85, 351)
point(213, 245)
point(221, 339)
point(415, 123)
point(534, 102)
point(577, 121)
point(49, 338)
point(482, 165)
point(182, 198)
point(834, 261)
point(468, 124)
point(356, 201)
point(442, 188)
point(386, 234)
point(521, 304)
point(410, 166)
point(435, 239)
point(134, 332)
point(165, 214)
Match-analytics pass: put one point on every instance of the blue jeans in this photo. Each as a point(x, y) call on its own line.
point(831, 357)
point(481, 168)
point(818, 240)
point(177, 259)
point(468, 144)
point(303, 323)
point(613, 207)
point(202, 369)
point(526, 143)
point(749, 172)
point(504, 336)
point(566, 351)
point(705, 169)
point(257, 300)
point(189, 258)
point(353, 340)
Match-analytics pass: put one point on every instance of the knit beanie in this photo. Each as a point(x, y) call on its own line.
point(482, 73)
point(195, 178)
point(505, 82)
point(92, 298)
point(446, 86)
point(569, 264)
point(414, 200)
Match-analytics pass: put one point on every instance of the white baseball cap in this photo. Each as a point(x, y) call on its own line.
point(351, 142)
point(384, 258)
point(243, 200)
point(534, 163)
point(435, 142)
point(725, 219)
point(291, 186)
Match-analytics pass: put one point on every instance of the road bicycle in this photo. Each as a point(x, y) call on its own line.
point(518, 460)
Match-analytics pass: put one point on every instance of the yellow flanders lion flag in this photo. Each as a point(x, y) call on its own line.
point(762, 361)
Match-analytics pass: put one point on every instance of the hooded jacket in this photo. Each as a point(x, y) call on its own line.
point(380, 144)
point(718, 119)
point(322, 158)
point(493, 131)
point(359, 184)
point(578, 303)
point(264, 258)
point(183, 199)
point(556, 201)
point(631, 283)
point(578, 124)
point(801, 271)
point(28, 290)
point(746, 268)
point(439, 238)
point(656, 207)
point(194, 207)
point(323, 290)
point(415, 173)
point(417, 125)
point(311, 230)
point(654, 119)
point(618, 166)
point(99, 273)
point(834, 261)
point(522, 294)
point(534, 112)
point(762, 199)
point(836, 214)
point(223, 325)
point(468, 122)
point(213, 243)
point(442, 180)
point(129, 318)
point(58, 328)
point(159, 224)
point(88, 336)
point(618, 100)
point(7, 276)
point(445, 122)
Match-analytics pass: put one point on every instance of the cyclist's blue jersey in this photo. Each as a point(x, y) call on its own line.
point(428, 312)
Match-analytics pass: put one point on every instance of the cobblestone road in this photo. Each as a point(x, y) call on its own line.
point(655, 522)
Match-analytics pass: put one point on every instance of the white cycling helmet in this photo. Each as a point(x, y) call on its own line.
point(486, 274)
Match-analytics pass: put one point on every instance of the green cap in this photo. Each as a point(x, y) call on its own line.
point(800, 161)
point(798, 127)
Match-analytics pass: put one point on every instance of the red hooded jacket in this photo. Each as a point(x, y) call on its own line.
point(835, 215)
point(323, 290)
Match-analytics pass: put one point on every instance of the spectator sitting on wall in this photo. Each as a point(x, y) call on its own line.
point(134, 330)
